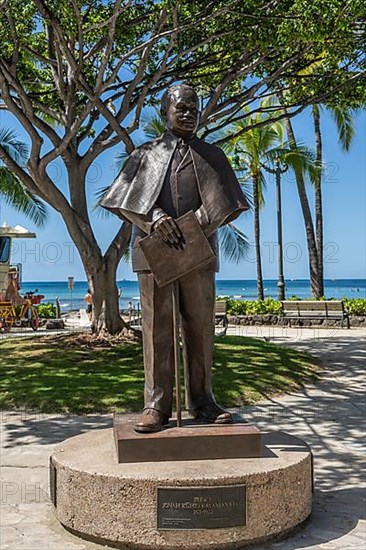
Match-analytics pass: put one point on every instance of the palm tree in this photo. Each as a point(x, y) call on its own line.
point(343, 118)
point(308, 220)
point(314, 235)
point(252, 149)
point(11, 189)
point(262, 149)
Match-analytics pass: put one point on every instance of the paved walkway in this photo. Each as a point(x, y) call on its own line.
point(330, 417)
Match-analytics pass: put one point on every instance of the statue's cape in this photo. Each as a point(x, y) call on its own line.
point(137, 187)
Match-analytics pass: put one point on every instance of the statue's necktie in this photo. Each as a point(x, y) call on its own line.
point(182, 148)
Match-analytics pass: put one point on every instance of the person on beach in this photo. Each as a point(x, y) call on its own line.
point(88, 299)
point(12, 291)
point(161, 181)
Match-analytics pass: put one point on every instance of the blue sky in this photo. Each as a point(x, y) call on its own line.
point(52, 256)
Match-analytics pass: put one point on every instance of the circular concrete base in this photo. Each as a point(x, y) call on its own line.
point(116, 504)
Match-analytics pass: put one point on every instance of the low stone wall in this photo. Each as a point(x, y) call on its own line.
point(272, 319)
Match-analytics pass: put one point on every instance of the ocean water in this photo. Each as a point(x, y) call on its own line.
point(239, 289)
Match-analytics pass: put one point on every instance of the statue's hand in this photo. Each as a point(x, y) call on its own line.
point(167, 228)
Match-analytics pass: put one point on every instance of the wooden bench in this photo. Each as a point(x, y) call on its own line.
point(314, 309)
point(221, 313)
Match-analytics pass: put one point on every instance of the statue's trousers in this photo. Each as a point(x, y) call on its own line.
point(196, 304)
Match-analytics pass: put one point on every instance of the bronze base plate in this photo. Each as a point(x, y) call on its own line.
point(190, 442)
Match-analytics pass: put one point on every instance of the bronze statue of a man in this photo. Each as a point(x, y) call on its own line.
point(161, 181)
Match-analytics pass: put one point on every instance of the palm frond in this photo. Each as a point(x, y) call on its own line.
point(153, 125)
point(262, 184)
point(18, 197)
point(233, 243)
point(99, 196)
point(247, 188)
point(344, 120)
point(120, 159)
point(11, 188)
point(301, 159)
point(18, 150)
point(50, 120)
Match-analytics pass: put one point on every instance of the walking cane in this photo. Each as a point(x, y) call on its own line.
point(175, 299)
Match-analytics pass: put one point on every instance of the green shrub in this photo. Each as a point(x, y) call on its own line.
point(236, 307)
point(47, 311)
point(253, 307)
point(355, 306)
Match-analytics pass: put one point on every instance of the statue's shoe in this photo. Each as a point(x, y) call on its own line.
point(213, 414)
point(151, 421)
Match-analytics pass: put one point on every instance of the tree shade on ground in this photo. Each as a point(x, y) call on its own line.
point(57, 374)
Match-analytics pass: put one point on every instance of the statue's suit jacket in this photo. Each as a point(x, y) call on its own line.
point(135, 192)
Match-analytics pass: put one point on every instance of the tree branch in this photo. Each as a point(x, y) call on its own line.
point(231, 75)
point(25, 114)
point(157, 74)
point(80, 33)
point(108, 21)
point(56, 69)
point(13, 108)
point(119, 244)
point(14, 36)
point(165, 34)
point(38, 56)
point(296, 111)
point(247, 94)
point(108, 46)
point(20, 173)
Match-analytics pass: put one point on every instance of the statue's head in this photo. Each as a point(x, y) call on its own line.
point(180, 110)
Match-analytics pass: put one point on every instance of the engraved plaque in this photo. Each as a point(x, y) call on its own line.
point(53, 474)
point(201, 507)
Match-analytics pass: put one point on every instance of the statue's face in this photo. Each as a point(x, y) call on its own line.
point(183, 113)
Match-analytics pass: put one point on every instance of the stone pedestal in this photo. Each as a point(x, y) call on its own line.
point(123, 504)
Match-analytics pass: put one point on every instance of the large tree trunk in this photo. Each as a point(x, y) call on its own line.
point(102, 283)
point(257, 237)
point(319, 200)
point(106, 314)
point(315, 288)
point(101, 273)
point(100, 270)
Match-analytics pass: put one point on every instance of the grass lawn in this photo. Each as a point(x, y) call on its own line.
point(49, 374)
